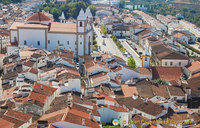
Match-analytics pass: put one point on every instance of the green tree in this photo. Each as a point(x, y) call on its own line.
point(160, 81)
point(104, 30)
point(198, 39)
point(46, 9)
point(47, 1)
point(55, 12)
point(121, 4)
point(93, 10)
point(131, 62)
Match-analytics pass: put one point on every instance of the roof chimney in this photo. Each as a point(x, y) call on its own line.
point(83, 122)
point(81, 96)
point(91, 116)
point(42, 123)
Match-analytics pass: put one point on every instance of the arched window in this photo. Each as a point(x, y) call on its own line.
point(81, 24)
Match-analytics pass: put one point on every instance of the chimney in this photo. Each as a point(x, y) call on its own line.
point(118, 79)
point(42, 123)
point(81, 96)
point(91, 116)
point(83, 122)
point(69, 104)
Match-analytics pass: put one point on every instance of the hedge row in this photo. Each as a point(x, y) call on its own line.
point(191, 48)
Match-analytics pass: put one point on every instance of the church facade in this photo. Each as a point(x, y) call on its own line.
point(41, 32)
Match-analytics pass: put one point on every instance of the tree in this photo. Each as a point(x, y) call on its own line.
point(121, 4)
point(46, 9)
point(55, 13)
point(104, 30)
point(47, 1)
point(131, 62)
point(93, 10)
point(198, 39)
point(160, 81)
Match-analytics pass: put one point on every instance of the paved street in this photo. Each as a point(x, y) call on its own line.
point(132, 52)
point(109, 46)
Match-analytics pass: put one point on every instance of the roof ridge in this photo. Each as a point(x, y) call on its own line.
point(65, 114)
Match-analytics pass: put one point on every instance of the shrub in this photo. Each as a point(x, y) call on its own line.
point(131, 62)
point(123, 49)
point(95, 46)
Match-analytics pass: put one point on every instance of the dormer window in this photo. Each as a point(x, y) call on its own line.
point(81, 24)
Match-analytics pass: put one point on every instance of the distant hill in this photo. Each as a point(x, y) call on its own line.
point(10, 1)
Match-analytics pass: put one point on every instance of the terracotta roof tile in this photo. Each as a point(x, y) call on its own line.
point(6, 124)
point(195, 65)
point(33, 70)
point(108, 98)
point(38, 17)
point(19, 115)
point(129, 90)
point(17, 123)
point(160, 90)
point(99, 78)
point(145, 71)
point(167, 73)
point(38, 97)
point(175, 91)
point(60, 27)
point(118, 109)
point(43, 89)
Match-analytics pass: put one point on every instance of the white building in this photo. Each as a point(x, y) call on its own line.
point(39, 30)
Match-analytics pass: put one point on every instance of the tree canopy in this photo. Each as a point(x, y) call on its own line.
point(70, 9)
point(121, 4)
point(131, 62)
point(10, 1)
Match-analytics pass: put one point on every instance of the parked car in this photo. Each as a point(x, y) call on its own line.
point(77, 65)
point(140, 53)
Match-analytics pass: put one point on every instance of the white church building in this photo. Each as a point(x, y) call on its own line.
point(41, 32)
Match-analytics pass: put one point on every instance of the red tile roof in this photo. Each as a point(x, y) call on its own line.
point(19, 115)
point(167, 73)
point(118, 109)
point(145, 71)
point(108, 98)
point(195, 65)
point(129, 90)
point(38, 97)
point(38, 17)
point(43, 89)
point(6, 124)
point(33, 70)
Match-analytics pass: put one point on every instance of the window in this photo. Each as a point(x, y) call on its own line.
point(80, 36)
point(171, 63)
point(48, 41)
point(80, 42)
point(15, 39)
point(145, 58)
point(165, 63)
point(81, 24)
point(67, 42)
point(179, 63)
point(25, 43)
point(38, 43)
point(58, 42)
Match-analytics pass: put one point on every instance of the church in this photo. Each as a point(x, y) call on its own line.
point(41, 32)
